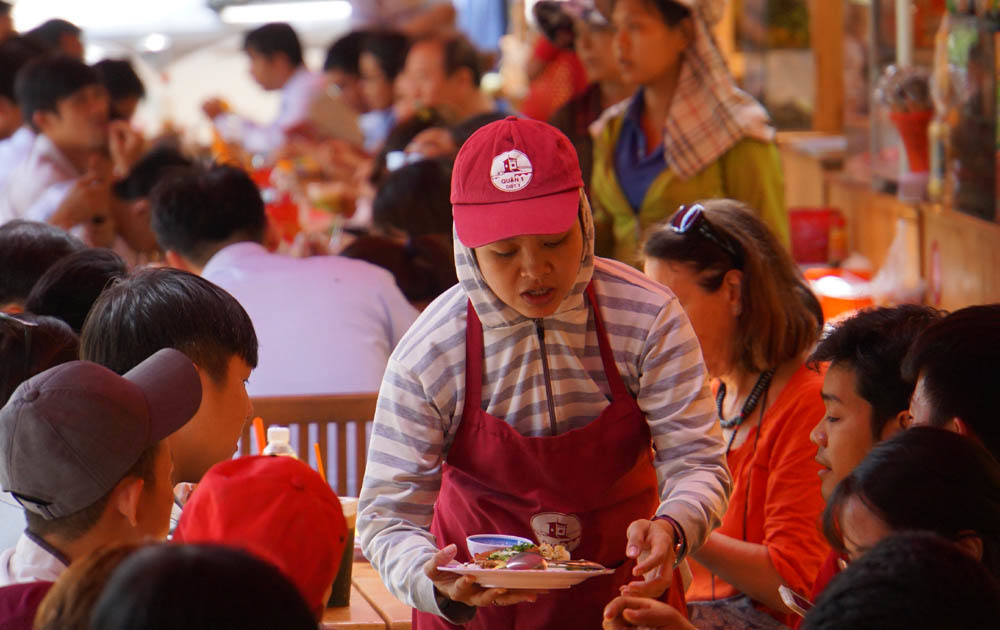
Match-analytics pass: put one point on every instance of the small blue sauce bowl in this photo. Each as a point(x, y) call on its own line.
point(489, 542)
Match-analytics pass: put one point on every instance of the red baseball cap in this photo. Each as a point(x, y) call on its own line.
point(276, 508)
point(514, 176)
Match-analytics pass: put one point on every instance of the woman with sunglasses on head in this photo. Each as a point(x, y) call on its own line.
point(756, 320)
point(688, 133)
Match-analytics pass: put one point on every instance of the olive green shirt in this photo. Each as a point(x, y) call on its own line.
point(750, 172)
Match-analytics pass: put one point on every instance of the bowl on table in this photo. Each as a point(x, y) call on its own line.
point(489, 542)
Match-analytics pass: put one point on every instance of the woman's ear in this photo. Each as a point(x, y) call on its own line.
point(732, 284)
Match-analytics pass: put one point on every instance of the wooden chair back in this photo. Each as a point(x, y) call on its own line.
point(350, 414)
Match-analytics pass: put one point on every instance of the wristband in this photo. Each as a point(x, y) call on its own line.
point(680, 540)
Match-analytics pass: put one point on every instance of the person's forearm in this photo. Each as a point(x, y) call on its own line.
point(747, 566)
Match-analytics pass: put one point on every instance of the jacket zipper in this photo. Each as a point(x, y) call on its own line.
point(540, 329)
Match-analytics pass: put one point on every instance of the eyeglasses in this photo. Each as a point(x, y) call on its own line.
point(688, 218)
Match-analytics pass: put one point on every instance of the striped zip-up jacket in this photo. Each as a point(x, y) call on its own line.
point(422, 395)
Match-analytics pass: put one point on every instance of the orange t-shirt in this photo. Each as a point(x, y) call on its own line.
point(776, 496)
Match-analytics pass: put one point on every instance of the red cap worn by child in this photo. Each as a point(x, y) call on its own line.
point(276, 508)
point(514, 176)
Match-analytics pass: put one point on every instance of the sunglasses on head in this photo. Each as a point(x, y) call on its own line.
point(692, 218)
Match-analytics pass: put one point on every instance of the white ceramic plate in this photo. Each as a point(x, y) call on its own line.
point(533, 579)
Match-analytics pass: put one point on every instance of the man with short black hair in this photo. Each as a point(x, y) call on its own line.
point(168, 308)
point(327, 324)
point(27, 250)
point(953, 364)
point(84, 453)
point(445, 73)
point(123, 85)
point(275, 64)
point(58, 182)
point(136, 242)
point(341, 69)
point(866, 397)
point(59, 36)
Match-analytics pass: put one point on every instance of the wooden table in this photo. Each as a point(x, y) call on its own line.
point(396, 614)
point(372, 607)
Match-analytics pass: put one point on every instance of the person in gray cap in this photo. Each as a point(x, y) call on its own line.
point(82, 450)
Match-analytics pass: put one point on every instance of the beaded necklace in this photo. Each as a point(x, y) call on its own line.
point(761, 386)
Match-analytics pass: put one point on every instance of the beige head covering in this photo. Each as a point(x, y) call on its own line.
point(709, 113)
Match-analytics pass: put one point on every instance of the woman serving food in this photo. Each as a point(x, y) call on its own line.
point(549, 395)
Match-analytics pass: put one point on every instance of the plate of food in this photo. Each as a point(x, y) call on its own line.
point(527, 566)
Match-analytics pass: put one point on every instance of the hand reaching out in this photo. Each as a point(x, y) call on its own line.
point(464, 588)
point(643, 612)
point(651, 543)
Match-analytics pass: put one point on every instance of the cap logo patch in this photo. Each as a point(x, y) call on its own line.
point(510, 171)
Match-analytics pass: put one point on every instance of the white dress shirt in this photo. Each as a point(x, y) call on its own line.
point(36, 187)
point(326, 324)
point(296, 96)
point(30, 560)
point(14, 150)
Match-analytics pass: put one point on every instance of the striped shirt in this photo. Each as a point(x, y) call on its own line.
point(422, 396)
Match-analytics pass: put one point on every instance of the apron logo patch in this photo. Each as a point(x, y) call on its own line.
point(556, 528)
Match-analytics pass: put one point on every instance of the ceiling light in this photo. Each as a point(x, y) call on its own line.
point(321, 10)
point(155, 42)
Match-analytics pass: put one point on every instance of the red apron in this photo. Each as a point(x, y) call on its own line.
point(582, 488)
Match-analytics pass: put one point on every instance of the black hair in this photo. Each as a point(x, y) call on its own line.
point(424, 267)
point(199, 587)
point(120, 79)
point(955, 356)
point(389, 49)
point(148, 171)
point(872, 344)
point(464, 129)
point(51, 32)
point(274, 38)
point(70, 287)
point(398, 204)
point(926, 479)
point(672, 12)
point(401, 135)
point(75, 525)
point(909, 581)
point(45, 81)
point(343, 54)
point(15, 52)
point(5, 7)
point(27, 250)
point(196, 211)
point(30, 344)
point(168, 308)
point(460, 53)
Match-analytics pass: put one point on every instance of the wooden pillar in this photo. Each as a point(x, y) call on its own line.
point(826, 32)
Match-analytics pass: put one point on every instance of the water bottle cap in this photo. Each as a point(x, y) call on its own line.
point(278, 434)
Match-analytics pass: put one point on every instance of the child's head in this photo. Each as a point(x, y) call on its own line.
point(518, 205)
point(63, 98)
point(276, 508)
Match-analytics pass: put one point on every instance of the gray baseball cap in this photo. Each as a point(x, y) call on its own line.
point(69, 434)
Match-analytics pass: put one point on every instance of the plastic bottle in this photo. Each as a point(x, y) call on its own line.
point(278, 442)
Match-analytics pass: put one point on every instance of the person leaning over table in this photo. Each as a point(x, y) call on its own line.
point(688, 133)
point(525, 401)
point(756, 320)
